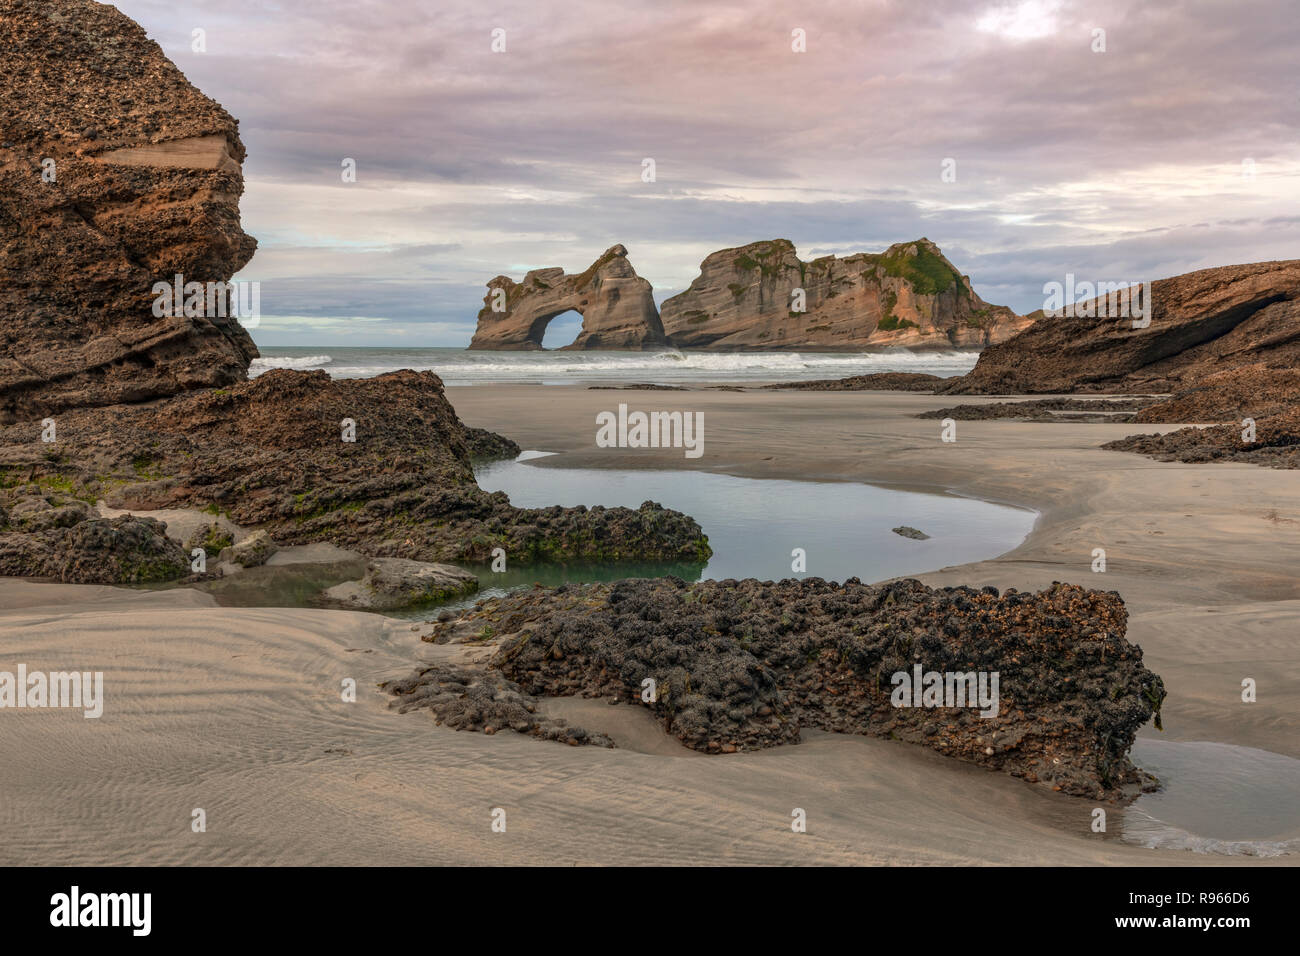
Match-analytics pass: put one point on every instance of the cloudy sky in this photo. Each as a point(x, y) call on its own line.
point(1174, 149)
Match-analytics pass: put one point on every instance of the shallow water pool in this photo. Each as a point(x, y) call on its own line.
point(755, 524)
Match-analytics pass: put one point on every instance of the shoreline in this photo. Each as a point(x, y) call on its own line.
point(373, 784)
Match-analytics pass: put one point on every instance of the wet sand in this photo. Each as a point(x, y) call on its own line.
point(238, 710)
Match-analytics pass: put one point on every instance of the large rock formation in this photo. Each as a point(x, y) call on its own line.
point(1201, 323)
point(115, 173)
point(275, 453)
point(617, 308)
point(909, 295)
point(741, 665)
point(1225, 342)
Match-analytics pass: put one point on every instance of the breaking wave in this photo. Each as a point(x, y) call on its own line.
point(666, 367)
point(265, 363)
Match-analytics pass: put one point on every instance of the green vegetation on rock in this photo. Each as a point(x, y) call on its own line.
point(591, 270)
point(928, 273)
point(747, 263)
point(892, 323)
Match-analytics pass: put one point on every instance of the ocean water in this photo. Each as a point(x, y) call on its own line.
point(667, 367)
point(1215, 798)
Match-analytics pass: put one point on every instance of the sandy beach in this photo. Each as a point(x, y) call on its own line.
point(238, 710)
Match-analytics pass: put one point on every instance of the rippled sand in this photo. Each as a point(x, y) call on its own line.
point(238, 710)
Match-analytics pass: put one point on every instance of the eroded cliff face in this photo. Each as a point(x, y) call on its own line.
point(115, 173)
point(617, 307)
point(910, 295)
point(1201, 323)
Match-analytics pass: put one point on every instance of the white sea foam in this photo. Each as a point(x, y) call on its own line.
point(265, 363)
point(1142, 829)
point(668, 366)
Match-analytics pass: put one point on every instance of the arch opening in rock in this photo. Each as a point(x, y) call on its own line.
point(559, 330)
point(617, 307)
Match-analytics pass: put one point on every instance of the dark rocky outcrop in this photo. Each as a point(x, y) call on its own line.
point(617, 307)
point(1202, 323)
point(477, 699)
point(485, 445)
point(875, 381)
point(1276, 443)
point(269, 454)
point(909, 295)
point(144, 184)
point(1268, 397)
point(1089, 410)
point(1251, 391)
point(66, 543)
point(740, 665)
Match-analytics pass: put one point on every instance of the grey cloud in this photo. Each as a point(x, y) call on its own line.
point(849, 135)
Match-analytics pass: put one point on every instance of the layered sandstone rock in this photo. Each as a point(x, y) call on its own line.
point(1201, 323)
point(115, 173)
point(1249, 391)
point(910, 295)
point(617, 307)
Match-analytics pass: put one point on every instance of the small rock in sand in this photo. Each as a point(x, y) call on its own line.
point(394, 583)
point(252, 552)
